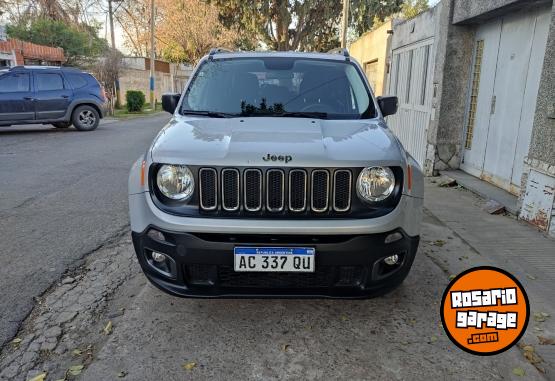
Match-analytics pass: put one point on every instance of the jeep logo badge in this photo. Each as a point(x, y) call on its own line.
point(269, 157)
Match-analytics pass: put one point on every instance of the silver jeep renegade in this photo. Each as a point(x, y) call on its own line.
point(277, 176)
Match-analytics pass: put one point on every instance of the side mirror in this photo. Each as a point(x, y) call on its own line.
point(388, 105)
point(169, 102)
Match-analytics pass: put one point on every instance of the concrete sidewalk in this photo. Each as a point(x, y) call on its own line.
point(504, 242)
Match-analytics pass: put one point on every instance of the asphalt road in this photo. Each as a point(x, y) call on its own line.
point(63, 204)
point(63, 193)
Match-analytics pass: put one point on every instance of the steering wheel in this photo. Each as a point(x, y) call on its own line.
point(317, 107)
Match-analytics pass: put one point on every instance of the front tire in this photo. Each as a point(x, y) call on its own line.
point(85, 118)
point(62, 124)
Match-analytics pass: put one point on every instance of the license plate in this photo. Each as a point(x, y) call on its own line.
point(274, 259)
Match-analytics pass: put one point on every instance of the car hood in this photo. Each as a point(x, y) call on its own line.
point(248, 141)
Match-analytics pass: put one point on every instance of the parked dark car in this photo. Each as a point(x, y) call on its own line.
point(51, 95)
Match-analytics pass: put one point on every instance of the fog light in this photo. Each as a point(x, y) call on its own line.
point(158, 257)
point(392, 260)
point(156, 235)
point(162, 263)
point(393, 237)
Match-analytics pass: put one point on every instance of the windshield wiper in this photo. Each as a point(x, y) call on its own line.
point(289, 114)
point(212, 114)
point(304, 114)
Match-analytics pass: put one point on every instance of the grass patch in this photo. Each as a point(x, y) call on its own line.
point(122, 113)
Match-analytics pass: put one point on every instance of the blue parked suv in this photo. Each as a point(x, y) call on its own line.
point(51, 95)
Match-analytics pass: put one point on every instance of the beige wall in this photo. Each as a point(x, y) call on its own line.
point(133, 79)
point(370, 50)
point(169, 77)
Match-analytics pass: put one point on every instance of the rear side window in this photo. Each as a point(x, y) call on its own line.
point(49, 82)
point(13, 83)
point(77, 81)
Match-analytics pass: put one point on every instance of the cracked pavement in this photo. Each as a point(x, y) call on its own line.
point(97, 312)
point(63, 194)
point(153, 335)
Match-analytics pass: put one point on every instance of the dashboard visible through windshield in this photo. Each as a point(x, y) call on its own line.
point(278, 86)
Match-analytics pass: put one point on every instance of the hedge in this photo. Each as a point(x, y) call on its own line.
point(135, 100)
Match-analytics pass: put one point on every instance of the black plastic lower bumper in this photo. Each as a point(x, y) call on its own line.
point(201, 265)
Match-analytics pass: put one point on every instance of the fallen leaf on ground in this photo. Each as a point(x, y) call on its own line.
point(122, 374)
point(285, 348)
point(17, 340)
point(39, 377)
point(75, 370)
point(108, 328)
point(530, 277)
point(344, 317)
point(76, 352)
point(452, 276)
point(540, 316)
point(433, 339)
point(439, 242)
point(189, 365)
point(530, 354)
point(519, 372)
point(546, 341)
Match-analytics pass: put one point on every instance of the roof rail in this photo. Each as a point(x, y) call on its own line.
point(342, 51)
point(43, 67)
point(218, 50)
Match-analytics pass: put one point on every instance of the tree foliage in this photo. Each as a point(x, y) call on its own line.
point(80, 44)
point(74, 12)
point(189, 28)
point(412, 8)
point(185, 29)
point(283, 24)
point(106, 69)
point(364, 13)
point(134, 18)
point(301, 24)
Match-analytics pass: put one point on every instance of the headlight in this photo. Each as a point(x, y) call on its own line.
point(375, 183)
point(175, 182)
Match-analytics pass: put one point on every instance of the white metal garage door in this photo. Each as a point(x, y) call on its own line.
point(410, 80)
point(507, 66)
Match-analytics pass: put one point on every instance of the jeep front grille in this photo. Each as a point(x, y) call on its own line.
point(230, 189)
point(208, 187)
point(297, 190)
point(275, 190)
point(253, 190)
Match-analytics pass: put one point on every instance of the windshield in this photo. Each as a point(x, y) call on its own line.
point(274, 86)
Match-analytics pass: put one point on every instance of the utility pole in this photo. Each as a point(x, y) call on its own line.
point(345, 23)
point(113, 39)
point(152, 55)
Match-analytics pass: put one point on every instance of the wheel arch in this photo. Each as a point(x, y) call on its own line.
point(85, 103)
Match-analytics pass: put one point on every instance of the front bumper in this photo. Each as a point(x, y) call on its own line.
point(346, 266)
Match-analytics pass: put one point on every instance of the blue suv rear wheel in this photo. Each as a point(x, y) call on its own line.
point(85, 118)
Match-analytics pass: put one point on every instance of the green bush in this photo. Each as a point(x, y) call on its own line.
point(135, 100)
